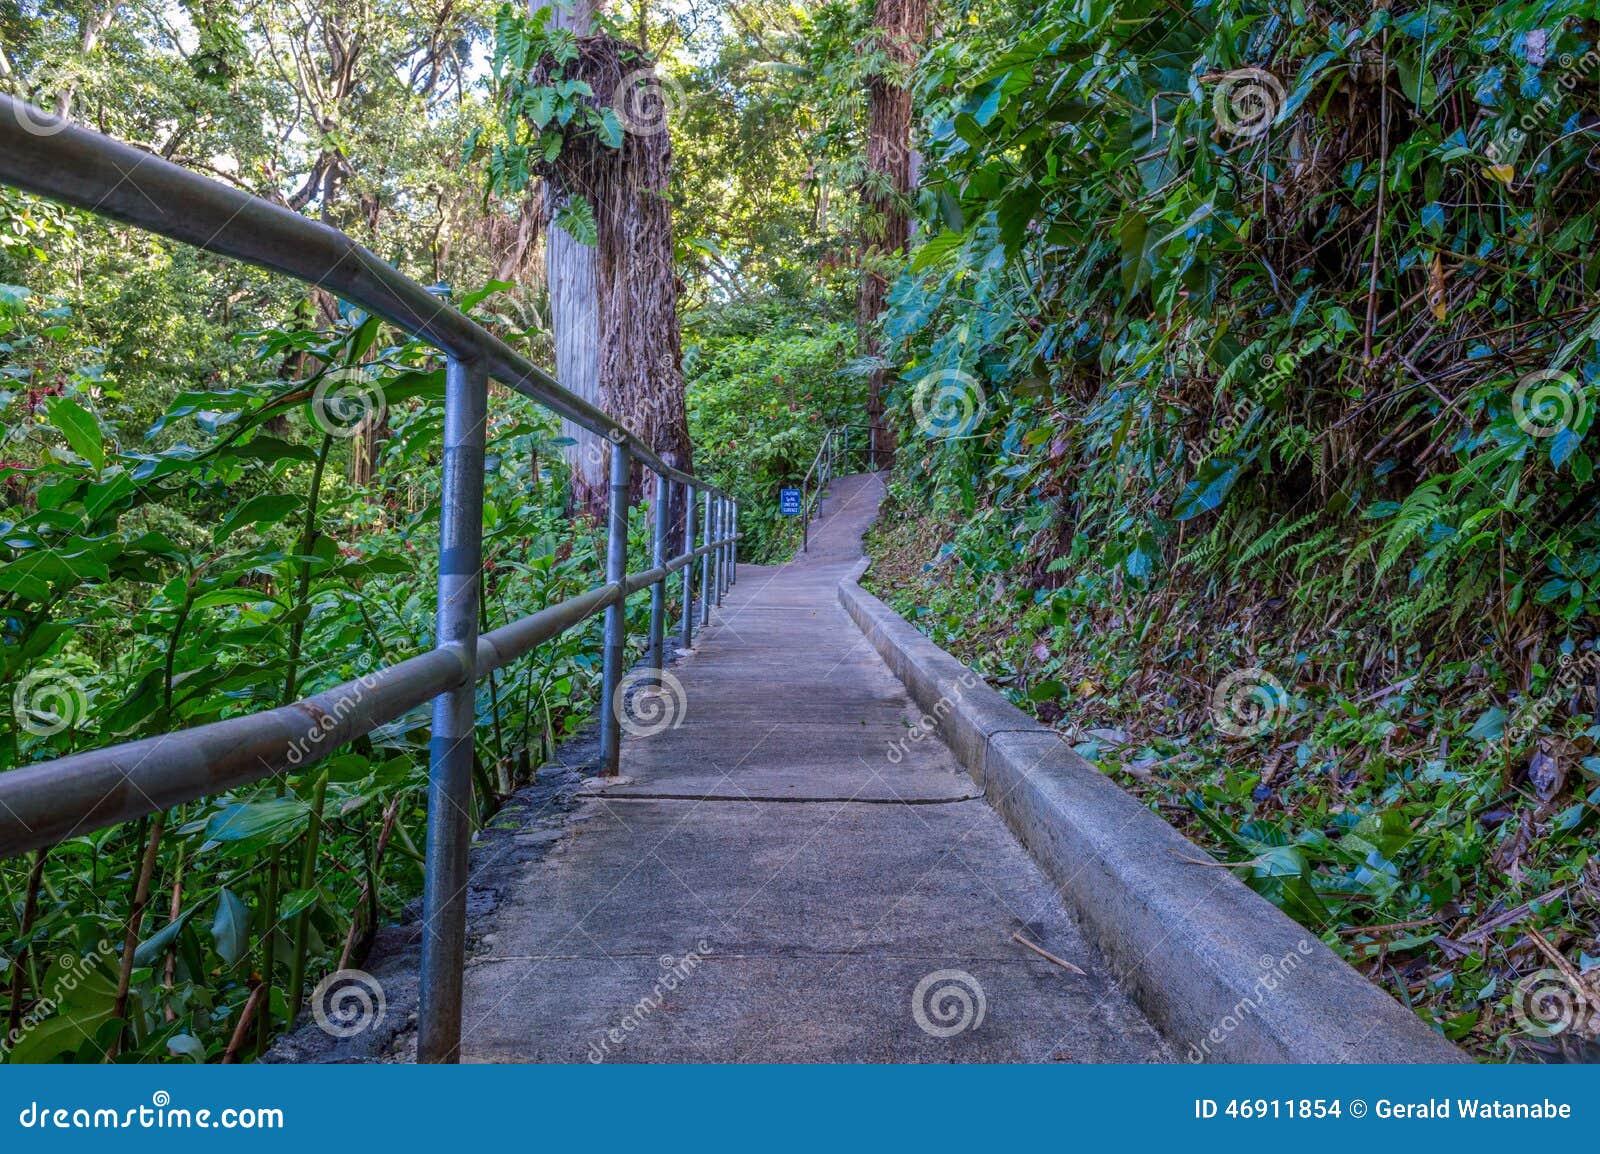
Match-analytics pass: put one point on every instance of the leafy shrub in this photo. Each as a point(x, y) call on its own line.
point(1278, 329)
point(764, 386)
point(229, 570)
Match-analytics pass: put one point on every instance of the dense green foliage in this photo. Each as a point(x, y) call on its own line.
point(1261, 337)
point(1244, 371)
point(219, 492)
point(765, 385)
point(154, 588)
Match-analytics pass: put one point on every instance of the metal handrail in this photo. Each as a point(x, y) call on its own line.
point(823, 461)
point(106, 177)
point(835, 445)
point(43, 804)
point(119, 783)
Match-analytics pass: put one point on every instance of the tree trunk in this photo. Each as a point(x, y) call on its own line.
point(641, 351)
point(575, 314)
point(575, 320)
point(96, 19)
point(635, 339)
point(900, 28)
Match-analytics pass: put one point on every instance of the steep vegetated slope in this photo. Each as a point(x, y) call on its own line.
point(1247, 382)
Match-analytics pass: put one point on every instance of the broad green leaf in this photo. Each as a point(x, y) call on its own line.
point(475, 298)
point(187, 1046)
point(231, 927)
point(267, 450)
point(87, 1000)
point(62, 1033)
point(16, 579)
point(936, 250)
point(100, 497)
point(1490, 725)
point(149, 950)
point(577, 218)
point(361, 340)
point(275, 817)
point(297, 900)
point(267, 509)
point(1141, 559)
point(1208, 488)
point(80, 428)
point(228, 597)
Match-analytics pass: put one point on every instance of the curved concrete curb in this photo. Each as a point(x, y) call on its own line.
point(1225, 974)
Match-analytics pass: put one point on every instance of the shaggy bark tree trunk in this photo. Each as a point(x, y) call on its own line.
point(641, 350)
point(635, 338)
point(900, 26)
point(575, 313)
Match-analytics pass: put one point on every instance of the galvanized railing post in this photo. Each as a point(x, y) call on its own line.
point(616, 614)
point(805, 521)
point(658, 591)
point(444, 901)
point(733, 549)
point(721, 551)
point(724, 519)
point(714, 585)
point(705, 562)
point(688, 570)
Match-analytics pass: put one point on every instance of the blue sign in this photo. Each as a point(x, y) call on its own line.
point(789, 502)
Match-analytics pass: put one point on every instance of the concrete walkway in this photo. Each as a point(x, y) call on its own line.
point(766, 883)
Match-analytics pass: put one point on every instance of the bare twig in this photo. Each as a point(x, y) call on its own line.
point(1044, 953)
point(130, 942)
point(242, 1030)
